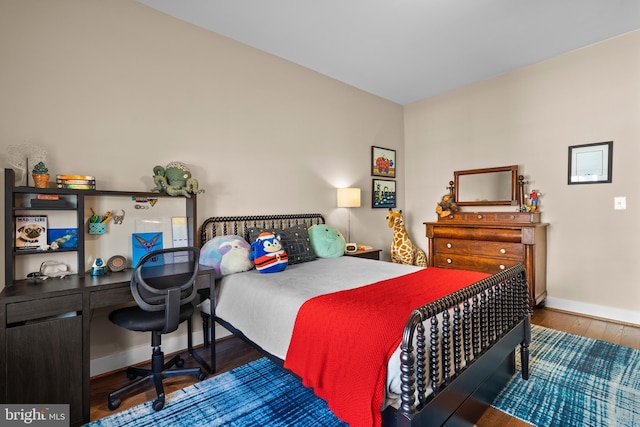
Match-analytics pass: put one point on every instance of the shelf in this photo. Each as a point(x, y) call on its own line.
point(19, 196)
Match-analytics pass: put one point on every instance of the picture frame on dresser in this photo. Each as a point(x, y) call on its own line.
point(591, 163)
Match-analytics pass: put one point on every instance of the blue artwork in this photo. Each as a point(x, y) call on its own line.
point(143, 243)
point(62, 238)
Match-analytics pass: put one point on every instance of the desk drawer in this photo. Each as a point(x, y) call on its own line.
point(478, 247)
point(111, 297)
point(474, 263)
point(42, 308)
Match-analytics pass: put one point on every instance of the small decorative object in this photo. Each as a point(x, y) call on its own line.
point(533, 202)
point(19, 156)
point(117, 263)
point(54, 269)
point(175, 180)
point(117, 218)
point(40, 175)
point(268, 254)
point(98, 268)
point(383, 162)
point(447, 206)
point(402, 250)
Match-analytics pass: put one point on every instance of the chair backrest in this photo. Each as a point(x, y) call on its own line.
point(165, 280)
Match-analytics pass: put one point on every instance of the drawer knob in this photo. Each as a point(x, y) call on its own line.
point(449, 260)
point(503, 251)
point(502, 267)
point(480, 216)
point(449, 245)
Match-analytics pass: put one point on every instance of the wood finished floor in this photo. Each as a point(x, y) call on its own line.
point(232, 352)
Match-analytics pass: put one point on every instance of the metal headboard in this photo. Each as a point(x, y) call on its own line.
point(239, 225)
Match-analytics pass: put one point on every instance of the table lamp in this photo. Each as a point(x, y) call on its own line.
point(349, 198)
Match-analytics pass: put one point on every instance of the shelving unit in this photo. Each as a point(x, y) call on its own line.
point(17, 199)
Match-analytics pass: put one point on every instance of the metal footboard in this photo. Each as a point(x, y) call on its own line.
point(461, 327)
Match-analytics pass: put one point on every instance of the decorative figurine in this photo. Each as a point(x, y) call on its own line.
point(40, 175)
point(175, 180)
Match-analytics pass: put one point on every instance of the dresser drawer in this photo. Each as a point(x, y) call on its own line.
point(504, 250)
point(513, 235)
point(474, 263)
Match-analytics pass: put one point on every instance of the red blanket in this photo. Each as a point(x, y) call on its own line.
point(342, 341)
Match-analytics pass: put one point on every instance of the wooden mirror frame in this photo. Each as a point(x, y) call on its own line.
point(514, 193)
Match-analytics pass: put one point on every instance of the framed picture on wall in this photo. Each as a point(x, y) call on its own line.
point(591, 163)
point(383, 162)
point(383, 193)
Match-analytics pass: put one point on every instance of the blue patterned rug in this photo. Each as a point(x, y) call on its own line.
point(259, 393)
point(575, 381)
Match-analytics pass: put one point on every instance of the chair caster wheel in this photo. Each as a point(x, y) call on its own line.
point(131, 375)
point(113, 404)
point(180, 362)
point(158, 404)
point(201, 376)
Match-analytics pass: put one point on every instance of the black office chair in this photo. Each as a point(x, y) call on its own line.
point(163, 285)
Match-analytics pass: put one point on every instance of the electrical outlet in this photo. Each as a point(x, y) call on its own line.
point(619, 203)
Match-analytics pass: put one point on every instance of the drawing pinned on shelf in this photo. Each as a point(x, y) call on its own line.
point(31, 232)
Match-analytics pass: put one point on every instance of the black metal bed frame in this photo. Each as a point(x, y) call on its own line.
point(463, 345)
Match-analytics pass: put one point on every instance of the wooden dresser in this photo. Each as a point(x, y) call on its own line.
point(490, 242)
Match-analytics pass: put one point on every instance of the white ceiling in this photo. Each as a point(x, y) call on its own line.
point(408, 50)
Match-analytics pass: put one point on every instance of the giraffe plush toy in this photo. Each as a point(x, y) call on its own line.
point(402, 250)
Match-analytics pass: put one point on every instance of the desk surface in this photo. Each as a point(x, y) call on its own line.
point(24, 290)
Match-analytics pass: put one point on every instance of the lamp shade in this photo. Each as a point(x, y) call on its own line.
point(348, 197)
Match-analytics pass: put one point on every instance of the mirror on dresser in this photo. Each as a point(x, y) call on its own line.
point(486, 187)
point(491, 241)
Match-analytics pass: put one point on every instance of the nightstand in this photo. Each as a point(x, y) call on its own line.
point(367, 253)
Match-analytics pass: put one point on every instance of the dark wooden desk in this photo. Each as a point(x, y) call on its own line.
point(45, 336)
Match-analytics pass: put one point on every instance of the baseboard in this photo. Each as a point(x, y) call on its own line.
point(593, 310)
point(170, 344)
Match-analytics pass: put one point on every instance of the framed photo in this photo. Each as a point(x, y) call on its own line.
point(383, 193)
point(590, 163)
point(383, 162)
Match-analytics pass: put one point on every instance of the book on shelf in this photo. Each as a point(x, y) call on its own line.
point(31, 232)
point(81, 177)
point(48, 196)
point(77, 186)
point(49, 203)
point(76, 181)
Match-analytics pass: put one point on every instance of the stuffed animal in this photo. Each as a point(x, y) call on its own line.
point(403, 251)
point(268, 254)
point(326, 241)
point(447, 206)
point(226, 254)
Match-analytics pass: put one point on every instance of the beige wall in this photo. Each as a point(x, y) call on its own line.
point(114, 88)
point(530, 117)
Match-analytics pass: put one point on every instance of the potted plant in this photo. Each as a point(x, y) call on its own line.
point(40, 175)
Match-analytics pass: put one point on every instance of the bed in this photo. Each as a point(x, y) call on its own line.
point(454, 354)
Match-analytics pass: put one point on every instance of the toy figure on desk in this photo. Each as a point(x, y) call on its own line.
point(99, 267)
